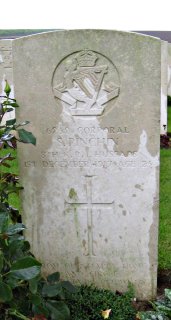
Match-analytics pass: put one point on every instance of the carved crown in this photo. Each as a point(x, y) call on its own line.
point(86, 58)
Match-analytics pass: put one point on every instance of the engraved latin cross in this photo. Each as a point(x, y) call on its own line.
point(90, 207)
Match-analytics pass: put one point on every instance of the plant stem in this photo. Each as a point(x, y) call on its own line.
point(18, 314)
point(4, 275)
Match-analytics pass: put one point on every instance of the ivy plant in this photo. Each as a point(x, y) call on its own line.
point(24, 292)
point(162, 309)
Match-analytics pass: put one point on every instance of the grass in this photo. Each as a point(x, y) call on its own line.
point(164, 255)
point(165, 210)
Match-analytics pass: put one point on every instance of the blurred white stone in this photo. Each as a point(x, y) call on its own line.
point(164, 86)
point(6, 73)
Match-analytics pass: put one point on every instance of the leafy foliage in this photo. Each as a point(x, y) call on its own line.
point(88, 303)
point(24, 292)
point(162, 309)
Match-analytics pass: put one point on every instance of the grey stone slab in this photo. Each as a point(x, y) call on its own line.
point(6, 72)
point(90, 201)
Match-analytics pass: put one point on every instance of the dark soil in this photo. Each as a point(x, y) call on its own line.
point(163, 282)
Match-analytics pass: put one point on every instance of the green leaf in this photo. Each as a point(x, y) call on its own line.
point(68, 286)
point(3, 222)
point(41, 309)
point(15, 237)
point(54, 277)
point(162, 307)
point(33, 284)
point(9, 109)
point(151, 315)
point(10, 122)
point(15, 248)
point(58, 309)
point(15, 228)
point(26, 136)
point(3, 208)
point(167, 293)
point(5, 292)
point(13, 189)
point(7, 157)
point(36, 299)
point(13, 104)
point(12, 282)
point(5, 164)
point(51, 290)
point(26, 268)
point(1, 260)
point(7, 88)
point(26, 246)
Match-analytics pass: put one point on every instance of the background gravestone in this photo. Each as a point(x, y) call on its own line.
point(169, 70)
point(91, 184)
point(164, 86)
point(6, 72)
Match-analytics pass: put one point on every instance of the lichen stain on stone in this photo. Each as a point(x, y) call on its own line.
point(66, 211)
point(77, 264)
point(138, 186)
point(76, 221)
point(72, 194)
point(84, 243)
point(111, 270)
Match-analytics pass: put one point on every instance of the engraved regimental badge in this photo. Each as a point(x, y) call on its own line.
point(85, 82)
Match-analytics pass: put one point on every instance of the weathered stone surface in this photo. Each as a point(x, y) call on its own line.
point(6, 72)
point(91, 185)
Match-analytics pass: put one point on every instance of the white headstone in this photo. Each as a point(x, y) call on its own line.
point(90, 195)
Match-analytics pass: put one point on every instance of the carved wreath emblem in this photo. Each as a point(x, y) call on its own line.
point(89, 82)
